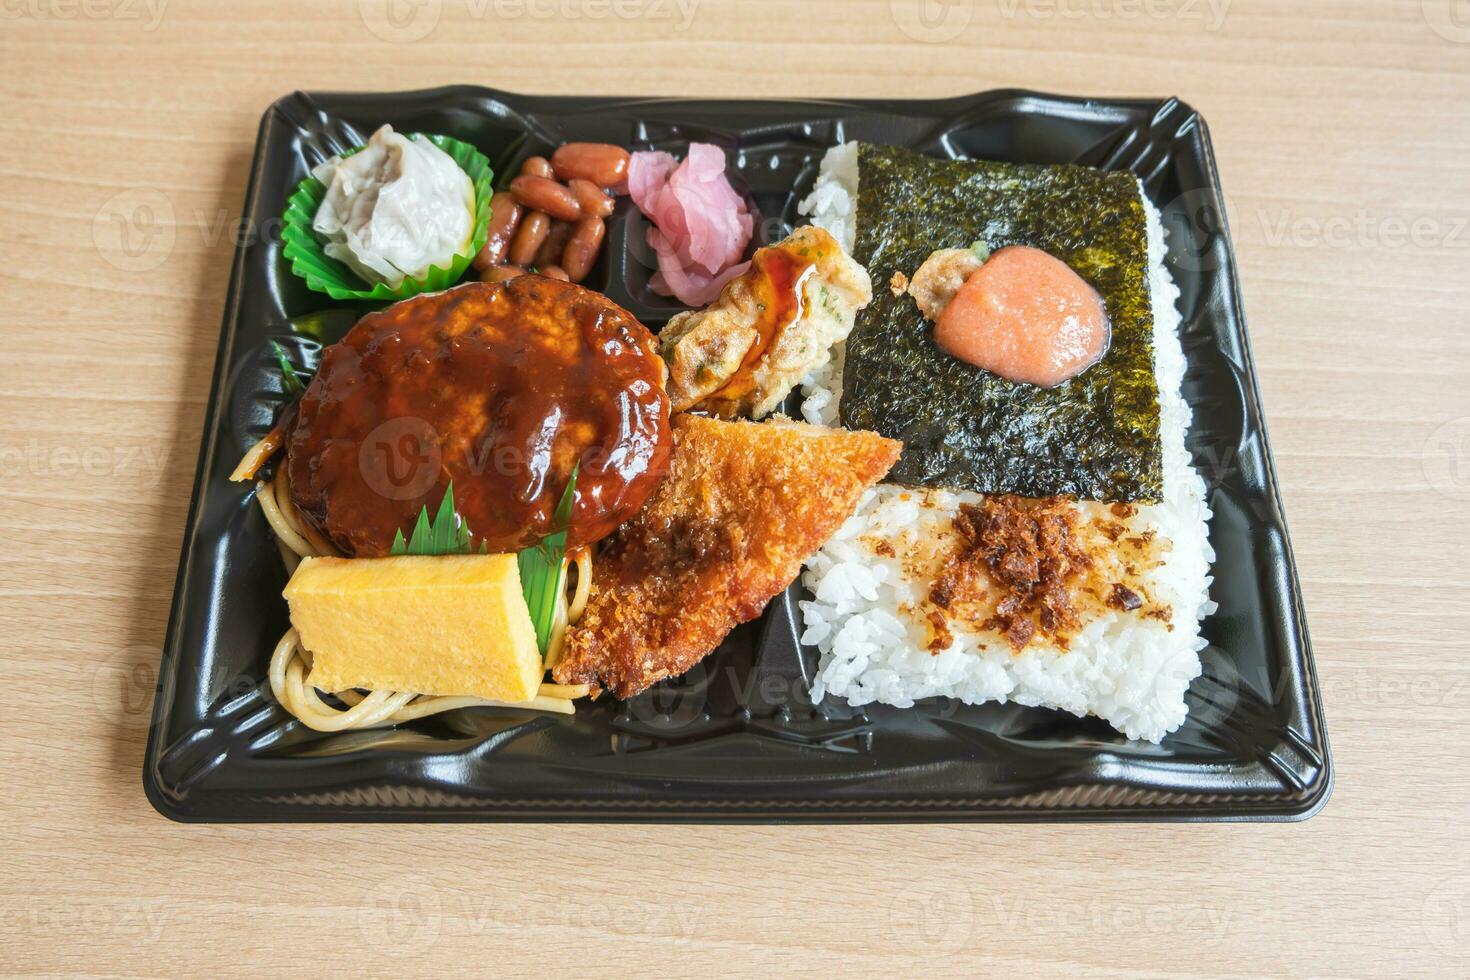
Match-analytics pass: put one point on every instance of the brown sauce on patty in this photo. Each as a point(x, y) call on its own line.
point(500, 388)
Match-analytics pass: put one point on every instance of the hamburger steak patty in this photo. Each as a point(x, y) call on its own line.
point(500, 388)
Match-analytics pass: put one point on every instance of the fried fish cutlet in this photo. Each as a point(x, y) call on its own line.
point(743, 506)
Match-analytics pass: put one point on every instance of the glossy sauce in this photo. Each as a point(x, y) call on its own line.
point(777, 280)
point(500, 388)
point(1027, 316)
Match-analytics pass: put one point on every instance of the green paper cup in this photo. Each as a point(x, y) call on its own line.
point(327, 275)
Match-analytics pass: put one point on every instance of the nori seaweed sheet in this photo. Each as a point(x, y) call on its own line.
point(1095, 437)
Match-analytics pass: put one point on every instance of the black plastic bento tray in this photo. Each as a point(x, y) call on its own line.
point(737, 739)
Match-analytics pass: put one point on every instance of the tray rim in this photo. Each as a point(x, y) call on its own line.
point(1221, 808)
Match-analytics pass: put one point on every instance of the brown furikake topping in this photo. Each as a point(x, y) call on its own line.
point(1124, 598)
point(1030, 550)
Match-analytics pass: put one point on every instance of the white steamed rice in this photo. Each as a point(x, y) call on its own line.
point(1130, 670)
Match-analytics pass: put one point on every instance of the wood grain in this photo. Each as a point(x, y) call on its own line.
point(1337, 123)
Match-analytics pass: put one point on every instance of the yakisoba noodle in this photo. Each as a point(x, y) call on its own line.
point(291, 662)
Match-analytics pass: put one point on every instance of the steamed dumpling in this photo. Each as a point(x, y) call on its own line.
point(396, 207)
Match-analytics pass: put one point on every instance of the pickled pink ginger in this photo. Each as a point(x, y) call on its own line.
point(700, 225)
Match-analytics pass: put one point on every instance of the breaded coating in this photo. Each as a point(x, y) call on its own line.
point(743, 506)
point(772, 325)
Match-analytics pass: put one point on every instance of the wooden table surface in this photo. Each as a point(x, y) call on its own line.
point(1343, 134)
